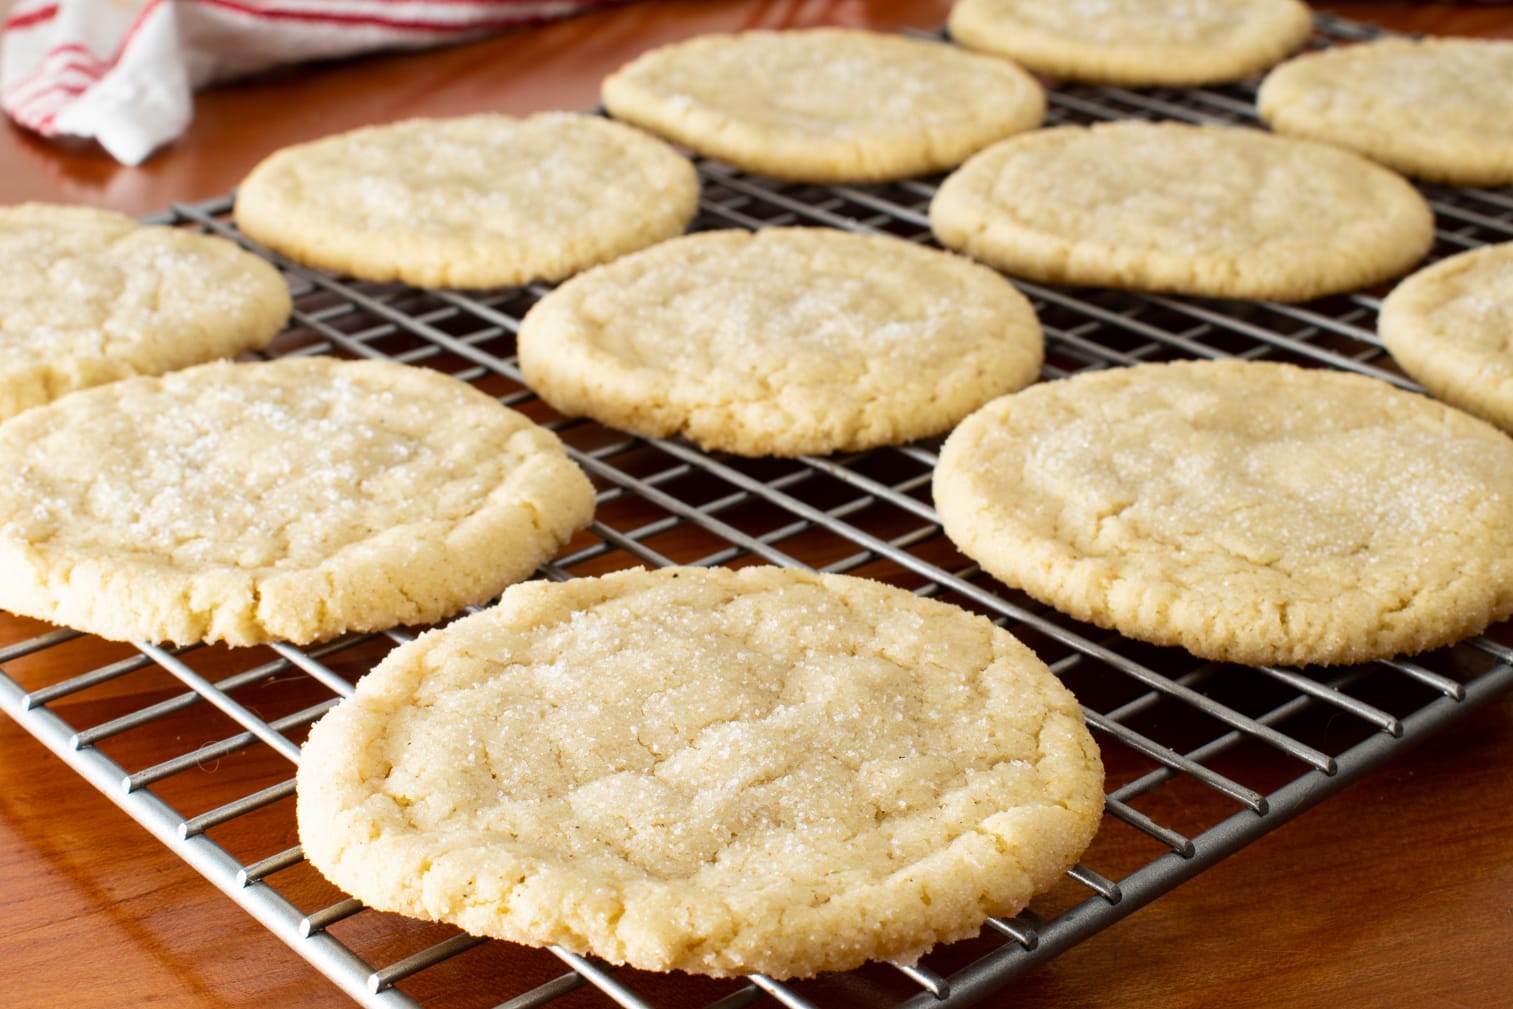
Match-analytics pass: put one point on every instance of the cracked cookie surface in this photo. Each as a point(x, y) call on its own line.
point(1209, 210)
point(89, 296)
point(1437, 109)
point(826, 104)
point(475, 201)
point(706, 770)
point(783, 341)
point(295, 500)
point(1450, 326)
point(1248, 512)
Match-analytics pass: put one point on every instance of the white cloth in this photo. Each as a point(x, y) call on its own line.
point(123, 71)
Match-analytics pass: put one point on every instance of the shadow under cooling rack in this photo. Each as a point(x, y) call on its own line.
point(1201, 758)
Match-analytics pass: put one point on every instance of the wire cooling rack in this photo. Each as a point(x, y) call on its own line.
point(197, 744)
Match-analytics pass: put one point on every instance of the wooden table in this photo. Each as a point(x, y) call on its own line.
point(1416, 909)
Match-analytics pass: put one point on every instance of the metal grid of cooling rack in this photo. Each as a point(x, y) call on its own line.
point(1173, 728)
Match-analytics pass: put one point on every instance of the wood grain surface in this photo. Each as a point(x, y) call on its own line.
point(1398, 891)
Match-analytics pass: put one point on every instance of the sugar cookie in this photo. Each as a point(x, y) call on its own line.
point(1437, 109)
point(89, 296)
point(1248, 512)
point(705, 770)
point(476, 201)
point(1135, 42)
point(294, 500)
point(826, 104)
point(781, 342)
point(1208, 210)
point(1450, 326)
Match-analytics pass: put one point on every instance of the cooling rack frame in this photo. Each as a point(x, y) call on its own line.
point(874, 516)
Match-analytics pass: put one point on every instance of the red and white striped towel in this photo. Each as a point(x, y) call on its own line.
point(123, 71)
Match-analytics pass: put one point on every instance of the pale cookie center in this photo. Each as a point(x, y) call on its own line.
point(72, 293)
point(1294, 501)
point(252, 477)
point(676, 742)
point(1198, 194)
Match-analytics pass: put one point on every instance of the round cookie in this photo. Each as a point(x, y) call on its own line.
point(1208, 210)
point(1437, 109)
point(825, 104)
point(89, 296)
point(295, 501)
point(706, 770)
point(785, 341)
point(475, 201)
point(1248, 512)
point(1450, 326)
point(1135, 42)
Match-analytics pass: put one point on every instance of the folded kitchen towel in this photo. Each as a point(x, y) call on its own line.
point(123, 71)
